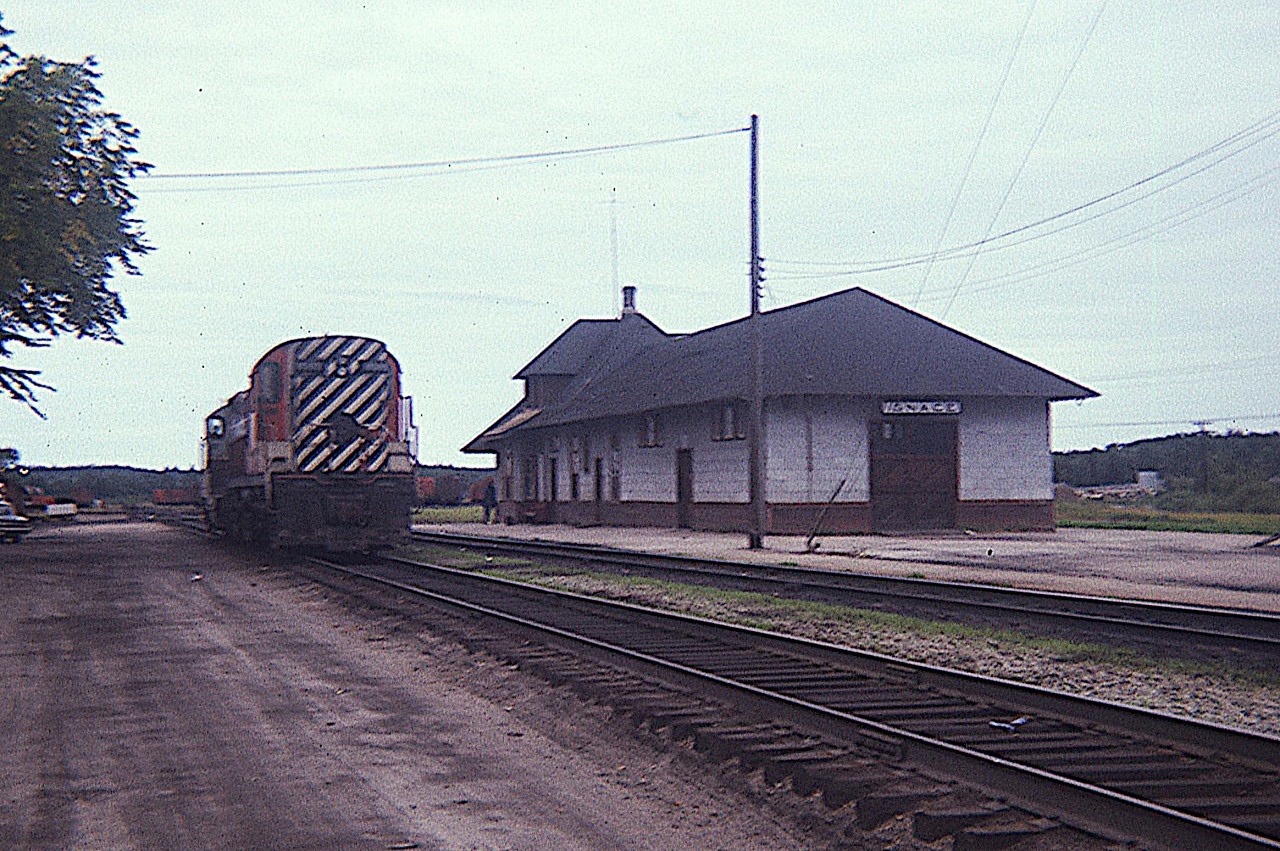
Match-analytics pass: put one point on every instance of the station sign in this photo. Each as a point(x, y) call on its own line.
point(932, 406)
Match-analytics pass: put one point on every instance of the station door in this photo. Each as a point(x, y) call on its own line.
point(684, 487)
point(913, 474)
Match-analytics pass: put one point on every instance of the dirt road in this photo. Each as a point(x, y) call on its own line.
point(162, 693)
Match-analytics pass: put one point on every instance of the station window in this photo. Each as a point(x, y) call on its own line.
point(615, 468)
point(729, 422)
point(530, 478)
point(651, 431)
point(215, 427)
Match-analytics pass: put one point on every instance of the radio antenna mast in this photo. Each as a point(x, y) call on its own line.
point(613, 244)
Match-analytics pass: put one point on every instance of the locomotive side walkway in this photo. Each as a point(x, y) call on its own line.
point(1178, 567)
point(164, 692)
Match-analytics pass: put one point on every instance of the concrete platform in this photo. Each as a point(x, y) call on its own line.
point(1181, 567)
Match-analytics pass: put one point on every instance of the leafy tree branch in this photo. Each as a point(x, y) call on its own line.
point(66, 212)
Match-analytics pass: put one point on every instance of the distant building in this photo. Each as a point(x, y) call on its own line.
point(876, 418)
point(1146, 483)
point(175, 496)
point(425, 488)
point(1150, 481)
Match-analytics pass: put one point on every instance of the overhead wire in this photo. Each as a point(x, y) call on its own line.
point(447, 163)
point(1200, 369)
point(973, 154)
point(1197, 421)
point(1110, 246)
point(1026, 157)
point(1261, 131)
point(342, 181)
point(1190, 212)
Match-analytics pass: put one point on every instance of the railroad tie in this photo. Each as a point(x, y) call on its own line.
point(930, 825)
point(993, 838)
point(876, 808)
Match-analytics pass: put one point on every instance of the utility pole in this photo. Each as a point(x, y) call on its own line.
point(756, 461)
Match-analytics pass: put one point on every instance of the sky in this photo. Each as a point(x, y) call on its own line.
point(887, 131)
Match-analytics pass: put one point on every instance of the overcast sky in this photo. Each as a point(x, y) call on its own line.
point(873, 117)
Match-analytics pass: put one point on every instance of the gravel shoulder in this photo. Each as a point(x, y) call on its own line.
point(1215, 695)
point(1176, 567)
point(163, 692)
point(1180, 567)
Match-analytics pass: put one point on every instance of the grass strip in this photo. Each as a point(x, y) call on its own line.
point(449, 514)
point(856, 627)
point(1100, 515)
point(866, 629)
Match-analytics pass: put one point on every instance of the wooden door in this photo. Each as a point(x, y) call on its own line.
point(684, 486)
point(553, 487)
point(599, 490)
point(913, 474)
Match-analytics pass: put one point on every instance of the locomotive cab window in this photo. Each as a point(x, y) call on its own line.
point(269, 383)
point(215, 427)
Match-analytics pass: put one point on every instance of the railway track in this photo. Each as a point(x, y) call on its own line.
point(827, 717)
point(1239, 637)
point(191, 518)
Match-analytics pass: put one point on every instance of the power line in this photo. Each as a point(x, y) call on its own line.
point(427, 164)
point(1190, 369)
point(1164, 225)
point(1261, 130)
point(968, 167)
point(1026, 157)
point(1200, 421)
point(343, 181)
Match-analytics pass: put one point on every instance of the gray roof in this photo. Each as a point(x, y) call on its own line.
point(571, 352)
point(589, 349)
point(850, 343)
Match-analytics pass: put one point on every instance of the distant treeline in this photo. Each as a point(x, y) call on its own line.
point(1203, 471)
point(467, 474)
point(107, 483)
point(125, 484)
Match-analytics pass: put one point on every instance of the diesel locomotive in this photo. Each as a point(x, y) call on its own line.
point(317, 453)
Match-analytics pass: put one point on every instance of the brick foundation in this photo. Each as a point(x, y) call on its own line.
point(784, 519)
point(992, 515)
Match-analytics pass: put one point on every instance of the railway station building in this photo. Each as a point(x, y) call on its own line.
point(876, 419)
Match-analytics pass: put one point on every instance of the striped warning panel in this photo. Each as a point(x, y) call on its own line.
point(342, 397)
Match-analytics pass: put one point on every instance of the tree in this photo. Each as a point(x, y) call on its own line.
point(66, 223)
point(10, 470)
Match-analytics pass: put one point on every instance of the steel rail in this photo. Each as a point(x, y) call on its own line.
point(697, 650)
point(1243, 633)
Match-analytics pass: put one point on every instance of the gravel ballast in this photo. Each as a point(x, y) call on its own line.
point(1223, 696)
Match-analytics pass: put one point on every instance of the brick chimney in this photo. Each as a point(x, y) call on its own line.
point(628, 300)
